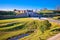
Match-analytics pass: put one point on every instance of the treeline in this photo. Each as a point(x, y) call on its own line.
point(7, 13)
point(49, 12)
point(56, 11)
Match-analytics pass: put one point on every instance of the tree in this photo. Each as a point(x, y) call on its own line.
point(11, 13)
point(14, 9)
point(7, 13)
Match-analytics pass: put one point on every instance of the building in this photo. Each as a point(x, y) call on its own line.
point(20, 11)
point(23, 11)
point(29, 13)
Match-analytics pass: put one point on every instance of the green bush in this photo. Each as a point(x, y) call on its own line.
point(56, 18)
point(45, 25)
point(7, 13)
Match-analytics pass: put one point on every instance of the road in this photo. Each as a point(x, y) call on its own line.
point(56, 37)
point(52, 20)
point(49, 19)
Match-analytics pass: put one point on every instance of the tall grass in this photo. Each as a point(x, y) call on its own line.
point(42, 29)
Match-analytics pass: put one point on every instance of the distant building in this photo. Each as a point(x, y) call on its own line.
point(29, 13)
point(23, 11)
point(44, 9)
point(20, 11)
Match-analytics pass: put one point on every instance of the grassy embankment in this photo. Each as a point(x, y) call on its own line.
point(13, 27)
point(39, 35)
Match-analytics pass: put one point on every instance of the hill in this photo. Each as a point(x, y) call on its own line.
point(37, 29)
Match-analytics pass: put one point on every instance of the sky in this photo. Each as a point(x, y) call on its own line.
point(28, 4)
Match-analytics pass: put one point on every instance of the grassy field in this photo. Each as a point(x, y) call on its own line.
point(42, 29)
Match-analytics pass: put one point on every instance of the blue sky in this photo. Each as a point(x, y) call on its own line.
point(28, 4)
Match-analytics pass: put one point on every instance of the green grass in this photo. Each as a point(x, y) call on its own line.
point(38, 35)
point(56, 18)
point(8, 25)
point(17, 28)
point(13, 27)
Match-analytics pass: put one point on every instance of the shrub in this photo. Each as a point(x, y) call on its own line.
point(7, 13)
point(45, 25)
point(56, 18)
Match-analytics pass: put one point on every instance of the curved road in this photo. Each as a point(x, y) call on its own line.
point(49, 19)
point(56, 37)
